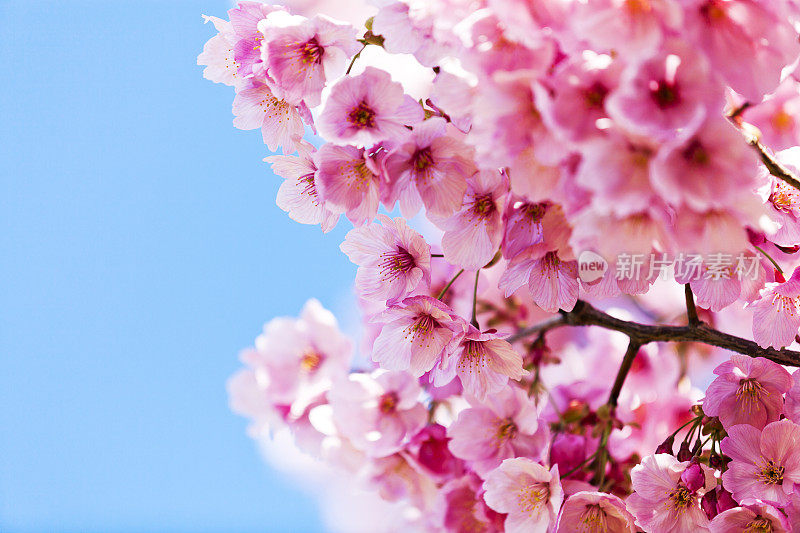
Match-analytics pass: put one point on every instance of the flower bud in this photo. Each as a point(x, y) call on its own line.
point(685, 453)
point(666, 446)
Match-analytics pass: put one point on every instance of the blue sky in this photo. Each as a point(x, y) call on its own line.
point(140, 250)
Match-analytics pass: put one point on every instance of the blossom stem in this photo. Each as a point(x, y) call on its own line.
point(771, 260)
point(353, 61)
point(584, 314)
point(449, 283)
point(691, 309)
point(437, 255)
point(474, 319)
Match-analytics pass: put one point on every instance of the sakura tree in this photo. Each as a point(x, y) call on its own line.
point(570, 217)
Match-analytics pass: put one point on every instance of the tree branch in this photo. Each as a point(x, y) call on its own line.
point(691, 310)
point(584, 314)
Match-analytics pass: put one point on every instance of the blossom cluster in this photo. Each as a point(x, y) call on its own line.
point(523, 134)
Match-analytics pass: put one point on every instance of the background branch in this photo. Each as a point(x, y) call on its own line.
point(584, 314)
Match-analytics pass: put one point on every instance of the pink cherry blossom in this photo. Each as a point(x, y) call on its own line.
point(472, 235)
point(633, 27)
point(218, 56)
point(665, 92)
point(461, 508)
point(415, 334)
point(765, 463)
point(574, 100)
point(300, 54)
point(256, 107)
point(776, 314)
point(367, 109)
point(483, 362)
point(747, 391)
point(393, 259)
point(748, 42)
point(244, 20)
point(429, 168)
point(777, 116)
point(429, 450)
point(783, 201)
point(348, 180)
point(506, 425)
point(530, 494)
point(681, 169)
point(378, 412)
point(293, 361)
point(298, 194)
point(588, 512)
point(663, 501)
point(791, 406)
point(749, 519)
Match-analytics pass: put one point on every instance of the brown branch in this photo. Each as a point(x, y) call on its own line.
point(691, 310)
point(773, 165)
point(584, 314)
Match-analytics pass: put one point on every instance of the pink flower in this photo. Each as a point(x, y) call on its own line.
point(765, 463)
point(681, 169)
point(462, 509)
point(429, 168)
point(750, 518)
point(366, 109)
point(665, 92)
point(247, 50)
point(528, 492)
point(415, 334)
point(483, 363)
point(298, 194)
point(505, 425)
point(293, 362)
point(300, 54)
point(347, 180)
point(778, 116)
point(546, 266)
point(218, 56)
point(378, 412)
point(663, 501)
point(747, 391)
point(776, 315)
point(429, 451)
point(255, 106)
point(587, 512)
point(473, 234)
point(791, 407)
point(632, 28)
point(577, 93)
point(393, 259)
point(748, 42)
point(783, 201)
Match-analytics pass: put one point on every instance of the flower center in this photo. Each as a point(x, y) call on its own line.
point(665, 94)
point(696, 154)
point(395, 263)
point(783, 198)
point(772, 473)
point(713, 11)
point(531, 497)
point(506, 430)
point(593, 520)
point(473, 356)
point(782, 121)
point(312, 52)
point(750, 390)
point(310, 361)
point(595, 95)
point(421, 329)
point(422, 159)
point(759, 525)
point(483, 206)
point(681, 498)
point(387, 404)
point(362, 115)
